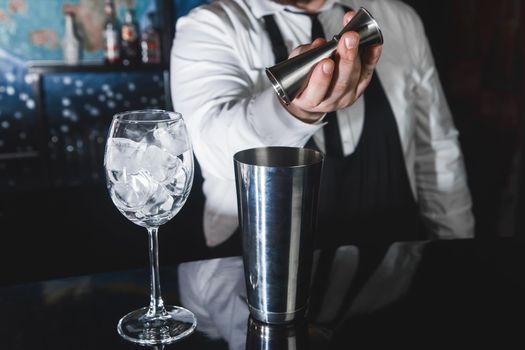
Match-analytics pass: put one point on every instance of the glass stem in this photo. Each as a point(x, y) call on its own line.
point(156, 305)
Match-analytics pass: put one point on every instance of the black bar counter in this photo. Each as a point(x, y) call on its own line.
point(406, 294)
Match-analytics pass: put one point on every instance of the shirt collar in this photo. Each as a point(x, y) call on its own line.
point(262, 8)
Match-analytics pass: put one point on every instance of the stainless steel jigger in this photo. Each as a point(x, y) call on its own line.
point(289, 76)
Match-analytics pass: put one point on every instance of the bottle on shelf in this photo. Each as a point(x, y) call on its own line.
point(70, 41)
point(111, 34)
point(150, 42)
point(130, 45)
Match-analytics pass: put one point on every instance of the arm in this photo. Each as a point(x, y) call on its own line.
point(215, 89)
point(226, 109)
point(441, 179)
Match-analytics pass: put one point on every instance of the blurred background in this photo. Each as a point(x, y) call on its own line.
point(56, 217)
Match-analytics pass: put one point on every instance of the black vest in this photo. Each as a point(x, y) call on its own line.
point(366, 196)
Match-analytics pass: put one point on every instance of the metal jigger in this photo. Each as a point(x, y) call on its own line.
point(289, 76)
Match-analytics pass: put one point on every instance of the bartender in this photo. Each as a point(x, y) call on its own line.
point(393, 166)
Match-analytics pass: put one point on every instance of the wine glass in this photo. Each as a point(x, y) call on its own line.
point(149, 172)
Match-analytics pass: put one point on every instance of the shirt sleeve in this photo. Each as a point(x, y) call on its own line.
point(227, 105)
point(443, 194)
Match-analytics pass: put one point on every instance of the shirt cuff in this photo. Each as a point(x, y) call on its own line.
point(275, 125)
point(320, 121)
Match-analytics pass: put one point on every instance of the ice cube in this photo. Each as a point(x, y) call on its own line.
point(172, 139)
point(116, 176)
point(160, 203)
point(178, 184)
point(124, 155)
point(161, 165)
point(133, 192)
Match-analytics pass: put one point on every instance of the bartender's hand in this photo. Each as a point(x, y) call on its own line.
point(335, 83)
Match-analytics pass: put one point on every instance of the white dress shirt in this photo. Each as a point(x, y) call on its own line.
point(219, 84)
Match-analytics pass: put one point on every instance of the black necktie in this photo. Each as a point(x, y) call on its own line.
point(332, 136)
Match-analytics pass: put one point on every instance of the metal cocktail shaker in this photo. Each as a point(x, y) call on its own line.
point(277, 196)
point(289, 76)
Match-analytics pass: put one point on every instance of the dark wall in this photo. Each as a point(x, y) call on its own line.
point(479, 47)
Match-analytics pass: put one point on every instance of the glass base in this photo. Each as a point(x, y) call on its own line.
point(167, 328)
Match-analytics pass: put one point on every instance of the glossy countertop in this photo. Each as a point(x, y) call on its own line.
point(415, 294)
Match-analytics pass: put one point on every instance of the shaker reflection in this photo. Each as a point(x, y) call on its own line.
point(262, 336)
